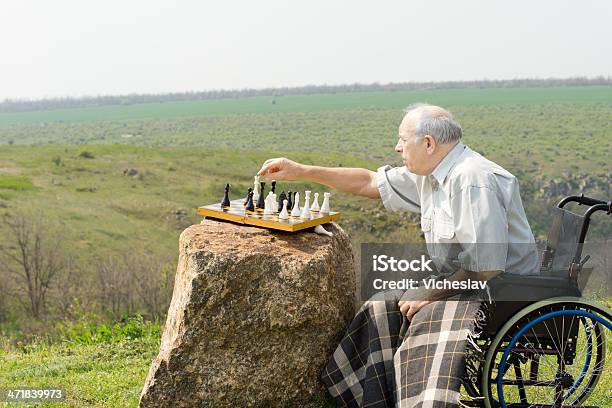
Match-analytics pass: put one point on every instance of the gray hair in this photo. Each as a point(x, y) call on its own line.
point(436, 122)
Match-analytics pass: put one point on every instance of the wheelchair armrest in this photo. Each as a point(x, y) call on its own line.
point(530, 288)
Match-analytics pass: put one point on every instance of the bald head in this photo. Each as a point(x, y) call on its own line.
point(420, 109)
point(431, 120)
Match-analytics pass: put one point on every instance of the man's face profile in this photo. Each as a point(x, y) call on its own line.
point(413, 153)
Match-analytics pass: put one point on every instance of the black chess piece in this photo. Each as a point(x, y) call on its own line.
point(261, 201)
point(249, 205)
point(246, 200)
point(281, 198)
point(289, 201)
point(273, 186)
point(226, 201)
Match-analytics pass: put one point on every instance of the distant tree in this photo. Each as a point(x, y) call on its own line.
point(134, 282)
point(4, 294)
point(114, 287)
point(154, 281)
point(32, 258)
point(69, 287)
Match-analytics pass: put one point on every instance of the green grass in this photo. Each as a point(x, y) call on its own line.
point(320, 102)
point(17, 183)
point(96, 364)
point(544, 139)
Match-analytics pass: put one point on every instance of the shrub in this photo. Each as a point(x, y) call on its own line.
point(89, 330)
point(86, 155)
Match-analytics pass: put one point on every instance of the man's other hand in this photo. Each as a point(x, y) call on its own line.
point(281, 169)
point(410, 307)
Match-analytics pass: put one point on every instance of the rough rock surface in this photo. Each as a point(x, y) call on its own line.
point(254, 317)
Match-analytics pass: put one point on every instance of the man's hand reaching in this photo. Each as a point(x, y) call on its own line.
point(348, 180)
point(281, 169)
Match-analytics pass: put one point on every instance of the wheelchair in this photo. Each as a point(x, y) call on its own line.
point(550, 350)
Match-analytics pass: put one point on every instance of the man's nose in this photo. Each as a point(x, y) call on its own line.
point(398, 147)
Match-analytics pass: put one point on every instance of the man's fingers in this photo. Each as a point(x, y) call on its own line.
point(411, 313)
point(274, 174)
point(263, 170)
point(404, 307)
point(267, 166)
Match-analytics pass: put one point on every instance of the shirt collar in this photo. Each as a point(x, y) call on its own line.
point(447, 163)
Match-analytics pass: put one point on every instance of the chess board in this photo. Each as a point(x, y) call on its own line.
point(237, 213)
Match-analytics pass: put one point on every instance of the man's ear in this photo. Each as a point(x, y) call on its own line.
point(430, 143)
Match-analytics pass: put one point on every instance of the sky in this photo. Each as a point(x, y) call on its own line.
point(65, 48)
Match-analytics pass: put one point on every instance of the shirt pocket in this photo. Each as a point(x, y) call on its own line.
point(443, 226)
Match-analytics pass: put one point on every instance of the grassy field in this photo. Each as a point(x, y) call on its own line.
point(321, 102)
point(66, 166)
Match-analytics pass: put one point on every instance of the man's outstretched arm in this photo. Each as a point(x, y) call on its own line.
point(349, 180)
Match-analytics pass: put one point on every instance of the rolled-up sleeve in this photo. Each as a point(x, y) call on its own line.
point(481, 228)
point(398, 189)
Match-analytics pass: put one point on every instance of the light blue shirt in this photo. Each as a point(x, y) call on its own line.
point(471, 212)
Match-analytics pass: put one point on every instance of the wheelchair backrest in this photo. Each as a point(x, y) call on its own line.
point(562, 242)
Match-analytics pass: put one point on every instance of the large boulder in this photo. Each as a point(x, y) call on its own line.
point(254, 317)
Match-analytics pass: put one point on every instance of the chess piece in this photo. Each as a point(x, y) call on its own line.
point(273, 186)
point(250, 205)
point(269, 205)
point(226, 201)
point(274, 203)
point(256, 188)
point(295, 212)
point(290, 203)
point(325, 205)
point(306, 208)
point(284, 215)
point(315, 204)
point(322, 231)
point(247, 196)
point(261, 199)
point(281, 197)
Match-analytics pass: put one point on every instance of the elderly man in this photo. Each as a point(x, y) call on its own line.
point(471, 211)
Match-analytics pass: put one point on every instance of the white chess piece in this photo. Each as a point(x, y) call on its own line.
point(306, 208)
point(295, 211)
point(322, 231)
point(315, 203)
point(284, 215)
point(325, 205)
point(268, 207)
point(256, 187)
point(274, 202)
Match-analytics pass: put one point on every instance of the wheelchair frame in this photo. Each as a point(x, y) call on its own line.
point(518, 336)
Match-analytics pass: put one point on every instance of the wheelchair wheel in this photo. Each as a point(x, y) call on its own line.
point(550, 354)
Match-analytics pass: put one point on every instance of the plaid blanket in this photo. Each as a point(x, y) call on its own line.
point(386, 361)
